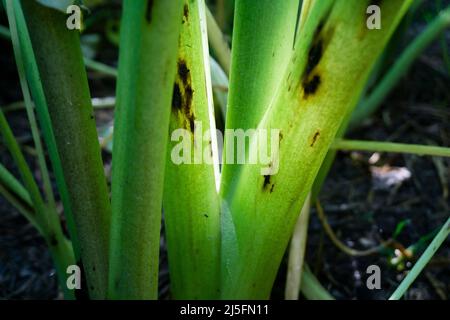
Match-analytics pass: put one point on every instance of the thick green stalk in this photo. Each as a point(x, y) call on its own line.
point(423, 261)
point(92, 64)
point(377, 146)
point(34, 82)
point(370, 104)
point(64, 82)
point(401, 66)
point(147, 68)
point(263, 41)
point(191, 203)
point(320, 85)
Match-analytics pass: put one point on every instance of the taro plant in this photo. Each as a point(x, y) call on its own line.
point(297, 70)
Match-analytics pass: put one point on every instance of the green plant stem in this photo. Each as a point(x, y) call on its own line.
point(373, 146)
point(39, 219)
point(423, 261)
point(97, 103)
point(319, 88)
point(90, 63)
point(64, 81)
point(100, 67)
point(11, 183)
point(4, 32)
point(372, 102)
point(218, 43)
point(224, 14)
point(311, 287)
point(29, 106)
point(259, 61)
point(379, 68)
point(16, 194)
point(16, 202)
point(376, 146)
point(34, 82)
point(191, 202)
point(44, 219)
point(147, 67)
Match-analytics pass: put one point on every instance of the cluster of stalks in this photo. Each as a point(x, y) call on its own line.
point(297, 66)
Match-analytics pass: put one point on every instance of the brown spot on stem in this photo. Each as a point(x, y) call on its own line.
point(185, 13)
point(268, 185)
point(314, 138)
point(183, 71)
point(314, 56)
point(176, 97)
point(311, 78)
point(183, 95)
point(266, 181)
point(311, 86)
point(148, 14)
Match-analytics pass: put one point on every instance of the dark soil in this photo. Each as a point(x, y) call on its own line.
point(360, 212)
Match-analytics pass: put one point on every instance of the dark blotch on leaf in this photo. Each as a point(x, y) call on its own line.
point(314, 56)
point(311, 86)
point(183, 95)
point(191, 123)
point(183, 71)
point(176, 98)
point(266, 182)
point(185, 13)
point(188, 94)
point(148, 14)
point(187, 107)
point(314, 139)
